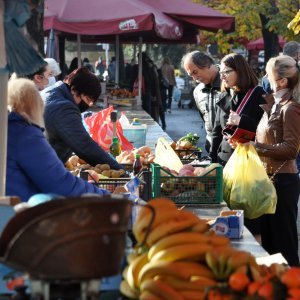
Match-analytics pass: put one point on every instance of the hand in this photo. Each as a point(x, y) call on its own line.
point(233, 143)
point(234, 118)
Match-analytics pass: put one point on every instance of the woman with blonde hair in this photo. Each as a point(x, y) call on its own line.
point(32, 165)
point(277, 143)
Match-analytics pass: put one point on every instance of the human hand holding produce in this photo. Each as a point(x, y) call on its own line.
point(173, 260)
point(128, 157)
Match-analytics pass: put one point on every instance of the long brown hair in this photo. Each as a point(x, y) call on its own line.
point(246, 77)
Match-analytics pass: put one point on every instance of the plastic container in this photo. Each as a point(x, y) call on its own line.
point(135, 133)
point(206, 189)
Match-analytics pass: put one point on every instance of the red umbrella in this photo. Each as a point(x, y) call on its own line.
point(259, 44)
point(194, 14)
point(109, 18)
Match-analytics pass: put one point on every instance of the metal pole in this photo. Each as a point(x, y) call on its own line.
point(79, 50)
point(3, 99)
point(117, 59)
point(139, 101)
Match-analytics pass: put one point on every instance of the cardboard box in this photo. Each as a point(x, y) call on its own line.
point(230, 225)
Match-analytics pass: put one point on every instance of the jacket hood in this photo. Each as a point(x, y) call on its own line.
point(56, 93)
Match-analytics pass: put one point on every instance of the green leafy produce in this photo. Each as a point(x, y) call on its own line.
point(193, 138)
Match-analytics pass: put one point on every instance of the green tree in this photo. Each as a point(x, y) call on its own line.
point(254, 18)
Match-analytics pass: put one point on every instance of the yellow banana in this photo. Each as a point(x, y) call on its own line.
point(155, 203)
point(124, 273)
point(192, 295)
point(180, 269)
point(182, 284)
point(160, 289)
point(127, 291)
point(212, 261)
point(201, 227)
point(177, 239)
point(237, 259)
point(146, 295)
point(182, 222)
point(134, 269)
point(194, 252)
point(162, 215)
point(219, 240)
point(131, 256)
point(223, 254)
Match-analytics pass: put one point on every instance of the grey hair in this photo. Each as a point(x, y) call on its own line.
point(291, 49)
point(198, 58)
point(286, 67)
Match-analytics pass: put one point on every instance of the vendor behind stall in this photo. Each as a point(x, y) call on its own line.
point(32, 165)
point(65, 101)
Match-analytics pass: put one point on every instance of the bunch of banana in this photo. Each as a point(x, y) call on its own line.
point(227, 260)
point(172, 265)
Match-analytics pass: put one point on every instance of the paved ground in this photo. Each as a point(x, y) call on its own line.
point(184, 120)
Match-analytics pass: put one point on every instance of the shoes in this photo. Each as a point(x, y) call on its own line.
point(164, 127)
point(169, 111)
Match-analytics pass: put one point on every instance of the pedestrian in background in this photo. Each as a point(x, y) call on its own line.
point(168, 72)
point(201, 68)
point(278, 143)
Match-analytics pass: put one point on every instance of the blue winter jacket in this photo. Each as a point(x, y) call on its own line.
point(33, 166)
point(65, 131)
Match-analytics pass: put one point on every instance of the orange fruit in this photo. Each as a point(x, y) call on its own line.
point(253, 288)
point(266, 290)
point(238, 281)
point(294, 293)
point(291, 278)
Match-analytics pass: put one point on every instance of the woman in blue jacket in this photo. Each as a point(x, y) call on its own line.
point(32, 165)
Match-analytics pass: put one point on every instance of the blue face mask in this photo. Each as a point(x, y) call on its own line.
point(83, 106)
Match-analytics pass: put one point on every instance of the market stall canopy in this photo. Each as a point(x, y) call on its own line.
point(202, 17)
point(110, 18)
point(260, 45)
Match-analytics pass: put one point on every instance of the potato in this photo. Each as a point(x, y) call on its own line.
point(106, 173)
point(104, 167)
point(115, 174)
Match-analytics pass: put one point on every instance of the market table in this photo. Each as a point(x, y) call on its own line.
point(154, 131)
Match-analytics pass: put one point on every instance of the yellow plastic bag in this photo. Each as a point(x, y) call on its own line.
point(247, 185)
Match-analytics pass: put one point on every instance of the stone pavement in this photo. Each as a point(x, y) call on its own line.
point(184, 120)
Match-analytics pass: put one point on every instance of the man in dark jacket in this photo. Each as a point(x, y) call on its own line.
point(65, 101)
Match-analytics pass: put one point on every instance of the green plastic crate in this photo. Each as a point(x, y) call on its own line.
point(206, 189)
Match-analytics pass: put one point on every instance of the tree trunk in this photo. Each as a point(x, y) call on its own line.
point(271, 40)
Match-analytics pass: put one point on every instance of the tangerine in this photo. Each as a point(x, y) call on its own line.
point(291, 278)
point(294, 293)
point(238, 281)
point(253, 288)
point(266, 290)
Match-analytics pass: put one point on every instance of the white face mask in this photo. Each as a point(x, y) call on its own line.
point(52, 81)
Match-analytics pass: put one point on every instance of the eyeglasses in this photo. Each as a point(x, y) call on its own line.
point(226, 72)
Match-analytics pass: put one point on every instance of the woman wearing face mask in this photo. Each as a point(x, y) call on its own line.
point(65, 101)
point(55, 70)
point(278, 143)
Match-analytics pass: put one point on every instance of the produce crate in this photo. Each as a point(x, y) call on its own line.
point(206, 189)
point(110, 184)
point(187, 156)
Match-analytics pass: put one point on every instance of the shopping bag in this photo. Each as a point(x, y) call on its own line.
point(101, 130)
point(247, 185)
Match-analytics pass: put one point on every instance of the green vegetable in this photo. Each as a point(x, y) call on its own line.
point(190, 137)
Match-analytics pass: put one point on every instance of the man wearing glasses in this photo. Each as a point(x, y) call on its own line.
point(201, 68)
